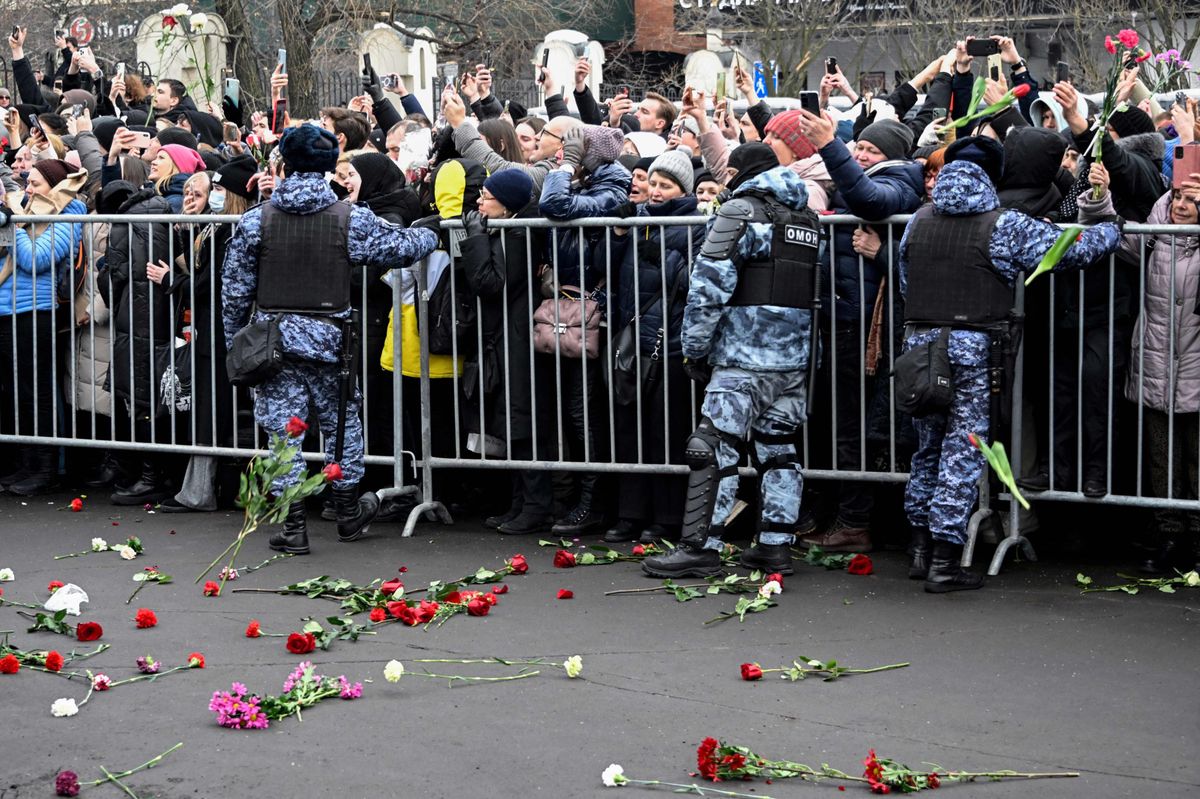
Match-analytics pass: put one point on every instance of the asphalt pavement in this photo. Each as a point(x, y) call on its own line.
point(1027, 674)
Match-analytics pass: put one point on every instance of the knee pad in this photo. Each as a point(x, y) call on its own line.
point(700, 452)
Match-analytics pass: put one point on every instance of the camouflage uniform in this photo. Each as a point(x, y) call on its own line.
point(943, 481)
point(309, 379)
point(759, 356)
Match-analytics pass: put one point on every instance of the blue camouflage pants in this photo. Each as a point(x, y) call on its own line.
point(943, 482)
point(740, 402)
point(301, 387)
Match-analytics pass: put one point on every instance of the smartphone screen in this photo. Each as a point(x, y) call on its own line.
point(1062, 72)
point(121, 70)
point(720, 86)
point(831, 66)
point(233, 90)
point(811, 102)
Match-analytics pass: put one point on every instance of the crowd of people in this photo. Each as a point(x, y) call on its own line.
point(99, 307)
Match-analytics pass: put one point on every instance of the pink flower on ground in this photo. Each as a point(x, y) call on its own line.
point(348, 691)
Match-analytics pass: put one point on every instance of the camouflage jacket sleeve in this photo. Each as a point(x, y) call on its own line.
point(712, 284)
point(239, 274)
point(377, 242)
point(1019, 242)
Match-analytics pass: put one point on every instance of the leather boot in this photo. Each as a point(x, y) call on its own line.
point(685, 560)
point(624, 530)
point(583, 518)
point(526, 523)
point(105, 473)
point(945, 572)
point(42, 474)
point(24, 464)
point(922, 542)
point(354, 512)
point(657, 533)
point(150, 487)
point(293, 538)
point(769, 558)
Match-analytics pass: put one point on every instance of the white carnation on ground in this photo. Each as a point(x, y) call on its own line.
point(573, 666)
point(6, 575)
point(393, 671)
point(99, 545)
point(613, 776)
point(64, 707)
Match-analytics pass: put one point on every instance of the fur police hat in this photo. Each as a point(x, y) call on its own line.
point(307, 148)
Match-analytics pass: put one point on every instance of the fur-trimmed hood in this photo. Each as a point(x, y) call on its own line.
point(1149, 145)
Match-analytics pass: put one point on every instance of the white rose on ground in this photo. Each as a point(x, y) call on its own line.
point(1192, 578)
point(99, 545)
point(769, 589)
point(393, 671)
point(64, 707)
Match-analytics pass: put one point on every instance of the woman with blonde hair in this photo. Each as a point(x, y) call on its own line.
point(170, 170)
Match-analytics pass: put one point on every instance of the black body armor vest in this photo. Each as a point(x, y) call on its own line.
point(950, 276)
point(304, 261)
point(786, 277)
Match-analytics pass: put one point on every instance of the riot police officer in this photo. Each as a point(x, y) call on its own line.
point(748, 317)
point(959, 258)
point(292, 259)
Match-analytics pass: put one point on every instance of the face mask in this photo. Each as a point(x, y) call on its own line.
point(216, 201)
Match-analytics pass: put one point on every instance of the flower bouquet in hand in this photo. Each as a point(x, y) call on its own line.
point(260, 504)
point(1123, 49)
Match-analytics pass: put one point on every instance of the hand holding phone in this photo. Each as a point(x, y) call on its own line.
point(982, 47)
point(831, 66)
point(542, 70)
point(1062, 72)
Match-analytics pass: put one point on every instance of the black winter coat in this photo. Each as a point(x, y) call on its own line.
point(400, 208)
point(142, 311)
point(498, 272)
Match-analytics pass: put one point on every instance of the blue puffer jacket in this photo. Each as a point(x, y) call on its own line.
point(886, 189)
point(38, 261)
point(372, 241)
point(761, 338)
point(1018, 243)
point(648, 244)
point(600, 195)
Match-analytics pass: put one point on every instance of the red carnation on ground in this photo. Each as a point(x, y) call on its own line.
point(88, 631)
point(301, 643)
point(776, 577)
point(860, 564)
point(751, 671)
point(196, 660)
point(145, 618)
point(212, 589)
point(706, 763)
point(332, 472)
point(54, 586)
point(76, 505)
point(565, 593)
point(54, 661)
point(253, 629)
point(478, 607)
point(295, 426)
point(639, 549)
point(378, 614)
point(564, 559)
point(9, 665)
point(518, 565)
point(489, 598)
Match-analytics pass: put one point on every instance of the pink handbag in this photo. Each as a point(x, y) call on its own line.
point(568, 324)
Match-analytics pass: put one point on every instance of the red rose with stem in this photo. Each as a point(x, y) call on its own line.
point(478, 607)
point(196, 660)
point(169, 22)
point(397, 607)
point(332, 472)
point(751, 671)
point(391, 587)
point(564, 559)
point(212, 589)
point(301, 643)
point(426, 611)
point(54, 661)
point(9, 665)
point(777, 577)
point(860, 564)
point(88, 631)
point(253, 629)
point(517, 564)
point(145, 618)
point(378, 614)
point(295, 427)
point(565, 593)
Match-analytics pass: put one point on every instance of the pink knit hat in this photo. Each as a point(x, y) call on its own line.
point(186, 160)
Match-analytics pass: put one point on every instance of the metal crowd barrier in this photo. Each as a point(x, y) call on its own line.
point(854, 433)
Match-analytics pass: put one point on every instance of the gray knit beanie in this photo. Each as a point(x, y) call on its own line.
point(892, 138)
point(677, 165)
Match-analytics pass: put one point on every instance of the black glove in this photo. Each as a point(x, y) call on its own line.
point(572, 147)
point(231, 111)
point(474, 223)
point(699, 371)
point(371, 84)
point(625, 210)
point(432, 222)
point(1119, 221)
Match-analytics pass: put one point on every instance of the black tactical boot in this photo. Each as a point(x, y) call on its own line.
point(686, 560)
point(624, 530)
point(293, 538)
point(105, 473)
point(527, 523)
point(583, 518)
point(150, 487)
point(945, 573)
point(922, 542)
point(494, 522)
point(42, 475)
point(769, 558)
point(354, 513)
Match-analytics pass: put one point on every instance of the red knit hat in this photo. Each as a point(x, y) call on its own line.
point(787, 127)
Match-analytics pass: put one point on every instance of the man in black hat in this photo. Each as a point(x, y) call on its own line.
point(290, 261)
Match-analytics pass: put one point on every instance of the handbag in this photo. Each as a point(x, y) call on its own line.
point(256, 355)
point(924, 378)
point(175, 377)
point(569, 324)
point(627, 373)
